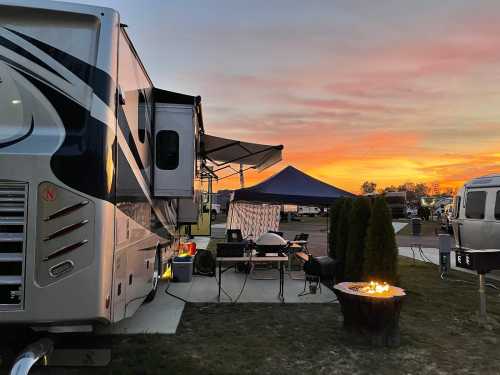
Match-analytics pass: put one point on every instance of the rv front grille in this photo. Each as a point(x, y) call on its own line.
point(13, 209)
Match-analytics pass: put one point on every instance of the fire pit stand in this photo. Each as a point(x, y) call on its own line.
point(372, 315)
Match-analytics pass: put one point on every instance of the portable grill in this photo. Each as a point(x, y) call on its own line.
point(271, 243)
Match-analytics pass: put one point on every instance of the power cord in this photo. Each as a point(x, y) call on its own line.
point(173, 295)
point(246, 278)
point(445, 278)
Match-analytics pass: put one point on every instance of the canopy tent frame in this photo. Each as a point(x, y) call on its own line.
point(279, 189)
point(224, 152)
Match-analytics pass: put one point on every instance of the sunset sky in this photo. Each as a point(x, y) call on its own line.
point(388, 91)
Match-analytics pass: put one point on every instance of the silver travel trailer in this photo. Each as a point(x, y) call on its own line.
point(93, 162)
point(476, 214)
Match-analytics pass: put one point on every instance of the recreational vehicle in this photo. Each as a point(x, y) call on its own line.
point(396, 200)
point(95, 166)
point(476, 214)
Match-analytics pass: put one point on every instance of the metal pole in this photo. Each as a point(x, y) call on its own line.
point(242, 178)
point(482, 296)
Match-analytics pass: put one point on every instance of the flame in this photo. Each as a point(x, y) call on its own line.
point(374, 287)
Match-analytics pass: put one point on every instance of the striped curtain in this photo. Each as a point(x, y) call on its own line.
point(253, 219)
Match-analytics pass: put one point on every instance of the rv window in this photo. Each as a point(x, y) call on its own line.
point(497, 206)
point(143, 116)
point(474, 207)
point(167, 150)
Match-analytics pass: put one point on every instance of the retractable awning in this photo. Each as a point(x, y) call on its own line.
point(222, 152)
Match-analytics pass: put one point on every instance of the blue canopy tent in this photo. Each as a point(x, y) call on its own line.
point(291, 186)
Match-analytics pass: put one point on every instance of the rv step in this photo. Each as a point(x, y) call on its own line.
point(11, 280)
point(11, 237)
point(11, 257)
point(11, 220)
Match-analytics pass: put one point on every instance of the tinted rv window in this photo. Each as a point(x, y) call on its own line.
point(474, 207)
point(497, 206)
point(136, 89)
point(167, 149)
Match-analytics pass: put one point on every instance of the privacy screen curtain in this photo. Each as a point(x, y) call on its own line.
point(253, 219)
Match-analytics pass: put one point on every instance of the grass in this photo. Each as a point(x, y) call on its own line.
point(439, 334)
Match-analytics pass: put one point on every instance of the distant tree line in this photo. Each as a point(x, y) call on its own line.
point(413, 191)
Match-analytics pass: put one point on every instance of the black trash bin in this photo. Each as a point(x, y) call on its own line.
point(416, 226)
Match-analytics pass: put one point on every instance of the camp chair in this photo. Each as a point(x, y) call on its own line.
point(299, 244)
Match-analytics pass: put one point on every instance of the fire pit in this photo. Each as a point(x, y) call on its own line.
point(371, 309)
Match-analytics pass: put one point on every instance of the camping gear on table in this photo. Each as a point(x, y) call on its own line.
point(271, 243)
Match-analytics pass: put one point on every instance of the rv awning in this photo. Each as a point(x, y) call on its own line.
point(222, 152)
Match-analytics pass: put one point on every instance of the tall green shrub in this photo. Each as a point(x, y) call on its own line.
point(334, 214)
point(381, 254)
point(342, 237)
point(356, 242)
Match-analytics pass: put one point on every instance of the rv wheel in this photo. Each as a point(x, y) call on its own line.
point(155, 279)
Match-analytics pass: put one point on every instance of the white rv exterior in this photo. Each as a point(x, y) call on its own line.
point(308, 211)
point(476, 214)
point(84, 229)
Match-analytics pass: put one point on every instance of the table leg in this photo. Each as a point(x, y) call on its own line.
point(220, 280)
point(282, 282)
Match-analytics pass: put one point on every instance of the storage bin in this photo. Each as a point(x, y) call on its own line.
point(182, 269)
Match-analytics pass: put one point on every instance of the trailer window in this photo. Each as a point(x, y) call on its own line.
point(497, 206)
point(474, 207)
point(167, 150)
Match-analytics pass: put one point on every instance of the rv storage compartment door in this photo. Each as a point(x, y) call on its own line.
point(175, 152)
point(188, 210)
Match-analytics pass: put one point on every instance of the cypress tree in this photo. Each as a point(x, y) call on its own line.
point(381, 255)
point(342, 236)
point(358, 225)
point(334, 213)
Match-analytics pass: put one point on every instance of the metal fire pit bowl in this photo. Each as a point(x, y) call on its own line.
point(373, 315)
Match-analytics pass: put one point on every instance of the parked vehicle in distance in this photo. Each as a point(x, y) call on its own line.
point(427, 201)
point(215, 210)
point(396, 200)
point(411, 212)
point(476, 214)
point(446, 218)
point(308, 211)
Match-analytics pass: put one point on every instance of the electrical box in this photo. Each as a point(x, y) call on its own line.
point(445, 243)
point(175, 150)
